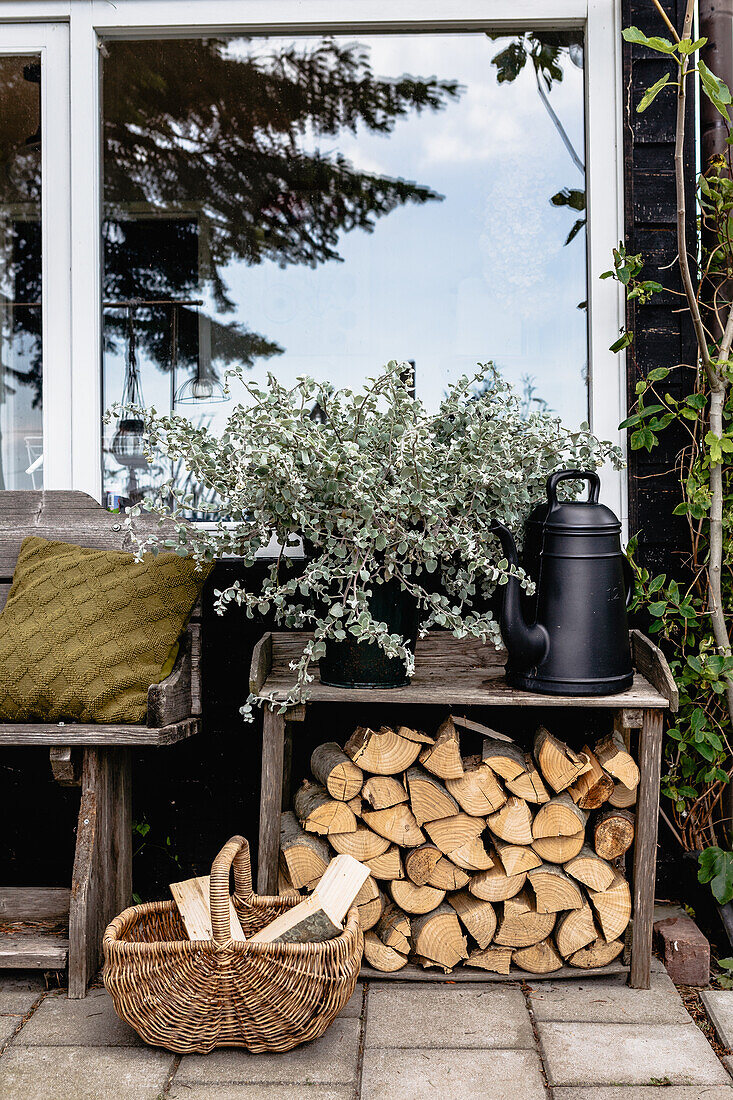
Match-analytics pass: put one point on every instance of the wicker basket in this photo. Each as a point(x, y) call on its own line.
point(191, 996)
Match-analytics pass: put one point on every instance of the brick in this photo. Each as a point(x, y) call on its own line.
point(685, 951)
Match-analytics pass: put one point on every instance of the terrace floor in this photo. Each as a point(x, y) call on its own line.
point(568, 1040)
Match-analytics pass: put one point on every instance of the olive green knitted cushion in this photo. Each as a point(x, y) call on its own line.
point(84, 633)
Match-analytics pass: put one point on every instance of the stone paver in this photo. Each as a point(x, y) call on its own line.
point(8, 1025)
point(19, 991)
point(609, 1001)
point(628, 1054)
point(83, 1073)
point(261, 1092)
point(91, 1022)
point(467, 1015)
point(354, 1005)
point(452, 1074)
point(719, 1007)
point(647, 1092)
point(330, 1060)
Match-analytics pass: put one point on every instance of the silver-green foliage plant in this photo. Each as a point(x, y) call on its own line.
point(375, 487)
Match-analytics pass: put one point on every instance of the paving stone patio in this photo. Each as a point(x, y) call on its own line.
point(568, 1040)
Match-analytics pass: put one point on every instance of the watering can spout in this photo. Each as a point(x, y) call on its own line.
point(527, 644)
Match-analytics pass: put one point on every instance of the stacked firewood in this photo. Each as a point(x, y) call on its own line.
point(488, 860)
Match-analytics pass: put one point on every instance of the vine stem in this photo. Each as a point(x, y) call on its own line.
point(716, 378)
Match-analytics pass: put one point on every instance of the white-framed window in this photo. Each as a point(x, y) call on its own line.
point(443, 234)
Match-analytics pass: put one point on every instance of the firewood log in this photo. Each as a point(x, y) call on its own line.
point(504, 758)
point(521, 925)
point(479, 727)
point(613, 833)
point(477, 917)
point(559, 817)
point(356, 805)
point(495, 885)
point(415, 899)
point(575, 930)
point(393, 929)
point(419, 863)
point(590, 869)
point(427, 964)
point(319, 813)
point(472, 856)
point(446, 876)
point(387, 866)
point(285, 887)
point(333, 769)
point(613, 907)
point(593, 787)
point(554, 890)
point(559, 849)
point(381, 957)
point(622, 796)
point(303, 856)
point(383, 791)
point(598, 953)
point(613, 756)
point(415, 735)
point(320, 916)
point(513, 822)
point(437, 936)
point(516, 858)
point(494, 958)
point(528, 785)
point(540, 958)
point(363, 844)
point(477, 791)
point(557, 762)
point(444, 757)
point(396, 824)
point(381, 753)
point(451, 833)
point(370, 902)
point(428, 797)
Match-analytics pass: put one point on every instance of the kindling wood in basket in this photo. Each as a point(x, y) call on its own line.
point(191, 996)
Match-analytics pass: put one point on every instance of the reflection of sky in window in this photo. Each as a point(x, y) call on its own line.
point(484, 274)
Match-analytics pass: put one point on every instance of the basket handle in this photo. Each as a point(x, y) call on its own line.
point(235, 852)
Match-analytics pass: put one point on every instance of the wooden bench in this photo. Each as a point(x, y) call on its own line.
point(96, 758)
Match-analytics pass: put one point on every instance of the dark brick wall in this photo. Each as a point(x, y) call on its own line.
point(663, 333)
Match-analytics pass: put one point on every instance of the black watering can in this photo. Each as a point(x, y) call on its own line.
point(572, 636)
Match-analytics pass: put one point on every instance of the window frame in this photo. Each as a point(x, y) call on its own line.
point(92, 21)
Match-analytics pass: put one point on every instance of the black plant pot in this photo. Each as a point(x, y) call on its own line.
point(351, 663)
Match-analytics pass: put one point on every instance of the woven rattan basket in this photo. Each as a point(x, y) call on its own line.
point(191, 996)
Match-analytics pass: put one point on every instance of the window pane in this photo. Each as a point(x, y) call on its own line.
point(321, 205)
point(21, 363)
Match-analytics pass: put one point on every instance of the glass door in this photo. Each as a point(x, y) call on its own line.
point(34, 240)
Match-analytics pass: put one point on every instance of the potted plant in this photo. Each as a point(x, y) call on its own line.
point(393, 505)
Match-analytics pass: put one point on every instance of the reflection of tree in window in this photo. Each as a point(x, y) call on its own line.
point(203, 124)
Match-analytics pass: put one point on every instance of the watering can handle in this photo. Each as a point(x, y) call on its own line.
point(573, 475)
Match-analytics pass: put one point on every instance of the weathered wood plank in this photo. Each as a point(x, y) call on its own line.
point(651, 662)
point(34, 903)
point(466, 973)
point(271, 797)
point(101, 883)
point(65, 765)
point(170, 700)
point(33, 950)
point(449, 672)
point(261, 663)
point(47, 734)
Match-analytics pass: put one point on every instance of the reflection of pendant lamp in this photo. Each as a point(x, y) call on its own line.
point(128, 442)
point(204, 386)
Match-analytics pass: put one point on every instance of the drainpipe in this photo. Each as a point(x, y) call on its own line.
point(716, 24)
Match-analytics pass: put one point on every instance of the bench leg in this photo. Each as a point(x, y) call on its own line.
point(645, 850)
point(271, 796)
point(101, 883)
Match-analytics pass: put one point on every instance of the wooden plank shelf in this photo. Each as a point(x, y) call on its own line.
point(411, 973)
point(457, 674)
point(96, 736)
point(31, 948)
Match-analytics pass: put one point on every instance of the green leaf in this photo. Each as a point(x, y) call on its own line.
point(638, 38)
point(651, 94)
point(624, 341)
point(716, 867)
point(658, 374)
point(686, 46)
point(715, 89)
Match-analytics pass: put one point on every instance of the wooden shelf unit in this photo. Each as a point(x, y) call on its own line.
point(459, 673)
